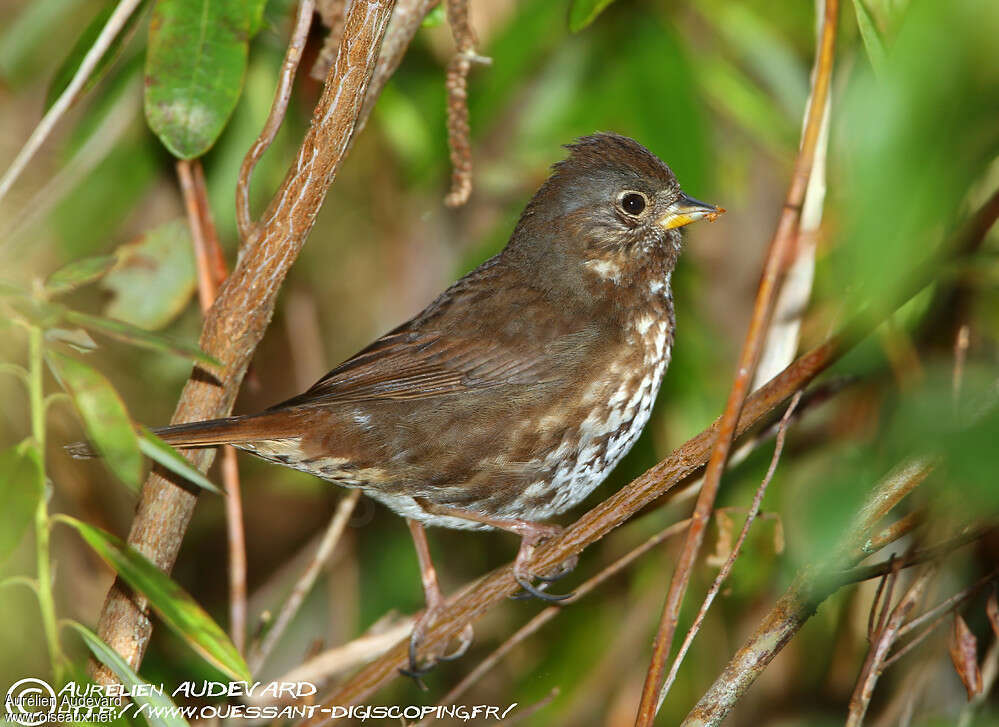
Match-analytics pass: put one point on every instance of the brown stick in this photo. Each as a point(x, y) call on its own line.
point(305, 582)
point(810, 587)
point(211, 273)
point(300, 33)
point(780, 248)
point(874, 663)
point(237, 321)
point(458, 131)
point(730, 561)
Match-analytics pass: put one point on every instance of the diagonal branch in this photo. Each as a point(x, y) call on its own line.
point(237, 321)
point(783, 243)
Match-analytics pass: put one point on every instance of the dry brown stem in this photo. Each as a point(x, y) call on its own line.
point(292, 57)
point(237, 321)
point(810, 587)
point(779, 253)
point(308, 578)
point(456, 83)
point(211, 273)
point(874, 664)
point(734, 553)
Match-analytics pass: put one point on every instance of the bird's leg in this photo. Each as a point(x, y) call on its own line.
point(530, 535)
point(435, 607)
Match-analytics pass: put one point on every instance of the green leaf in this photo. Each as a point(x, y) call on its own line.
point(194, 70)
point(162, 453)
point(79, 273)
point(163, 712)
point(104, 416)
point(872, 38)
point(584, 12)
point(138, 337)
point(21, 488)
point(71, 64)
point(174, 605)
point(155, 277)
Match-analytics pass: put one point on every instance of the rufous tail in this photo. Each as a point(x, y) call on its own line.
point(210, 433)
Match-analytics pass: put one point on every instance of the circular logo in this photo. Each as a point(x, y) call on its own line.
point(30, 701)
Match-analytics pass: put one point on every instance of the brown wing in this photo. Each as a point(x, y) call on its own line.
point(464, 340)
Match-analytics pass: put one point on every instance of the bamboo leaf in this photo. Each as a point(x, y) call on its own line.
point(584, 12)
point(21, 488)
point(162, 453)
point(138, 337)
point(104, 416)
point(194, 70)
point(79, 273)
point(164, 711)
point(174, 605)
point(155, 277)
point(872, 38)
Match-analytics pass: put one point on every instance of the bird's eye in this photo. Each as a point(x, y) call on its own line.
point(634, 203)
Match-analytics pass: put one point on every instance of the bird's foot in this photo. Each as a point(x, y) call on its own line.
point(417, 669)
point(531, 535)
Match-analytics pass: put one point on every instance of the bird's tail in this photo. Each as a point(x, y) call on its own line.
point(209, 433)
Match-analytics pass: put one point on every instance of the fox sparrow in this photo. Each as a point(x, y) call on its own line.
point(513, 394)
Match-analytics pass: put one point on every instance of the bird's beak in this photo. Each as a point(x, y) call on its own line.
point(686, 210)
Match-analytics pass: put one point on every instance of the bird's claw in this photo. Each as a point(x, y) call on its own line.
point(415, 670)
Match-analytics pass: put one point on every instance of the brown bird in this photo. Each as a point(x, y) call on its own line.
point(514, 394)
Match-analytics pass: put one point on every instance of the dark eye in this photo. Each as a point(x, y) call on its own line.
point(633, 203)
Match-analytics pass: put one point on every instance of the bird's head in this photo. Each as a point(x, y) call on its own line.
point(611, 206)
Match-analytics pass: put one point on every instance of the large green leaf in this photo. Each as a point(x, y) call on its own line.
point(137, 336)
point(174, 605)
point(194, 70)
point(71, 64)
point(21, 488)
point(78, 273)
point(162, 453)
point(104, 416)
point(154, 278)
point(584, 12)
point(163, 712)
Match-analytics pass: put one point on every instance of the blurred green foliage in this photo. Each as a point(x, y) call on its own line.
point(717, 89)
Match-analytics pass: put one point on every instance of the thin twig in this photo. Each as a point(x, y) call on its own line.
point(777, 256)
point(936, 616)
point(244, 220)
point(916, 557)
point(904, 525)
point(458, 131)
point(211, 273)
point(107, 35)
point(326, 547)
point(812, 585)
point(95, 149)
point(535, 624)
point(874, 664)
point(726, 568)
point(237, 321)
point(341, 659)
point(236, 539)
